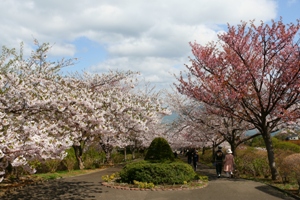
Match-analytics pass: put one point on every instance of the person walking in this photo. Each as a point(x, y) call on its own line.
point(228, 163)
point(195, 159)
point(189, 155)
point(219, 156)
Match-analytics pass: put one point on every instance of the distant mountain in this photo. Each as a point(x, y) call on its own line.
point(254, 131)
point(170, 118)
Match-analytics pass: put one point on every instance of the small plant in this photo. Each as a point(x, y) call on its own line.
point(144, 185)
point(52, 165)
point(53, 176)
point(109, 178)
point(203, 178)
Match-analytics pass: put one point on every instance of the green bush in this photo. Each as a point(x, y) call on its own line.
point(257, 142)
point(277, 144)
point(70, 161)
point(157, 173)
point(284, 145)
point(117, 157)
point(207, 157)
point(252, 162)
point(290, 168)
point(159, 151)
point(52, 164)
point(92, 158)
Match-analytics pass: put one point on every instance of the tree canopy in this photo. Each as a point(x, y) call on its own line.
point(251, 73)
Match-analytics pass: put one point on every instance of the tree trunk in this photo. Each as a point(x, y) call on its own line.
point(271, 157)
point(133, 154)
point(132, 149)
point(108, 157)
point(107, 150)
point(78, 155)
point(298, 180)
point(213, 151)
point(233, 147)
point(125, 154)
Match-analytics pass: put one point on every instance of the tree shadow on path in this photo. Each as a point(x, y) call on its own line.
point(210, 172)
point(58, 190)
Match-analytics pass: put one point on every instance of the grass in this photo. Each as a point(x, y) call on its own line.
point(64, 174)
point(290, 187)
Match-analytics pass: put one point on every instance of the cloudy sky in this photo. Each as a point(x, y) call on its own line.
point(149, 36)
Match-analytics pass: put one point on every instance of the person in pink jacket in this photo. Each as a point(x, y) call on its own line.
point(228, 163)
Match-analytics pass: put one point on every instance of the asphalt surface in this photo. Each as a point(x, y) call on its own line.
point(89, 187)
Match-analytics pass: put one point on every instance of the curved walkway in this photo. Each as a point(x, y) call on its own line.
point(89, 187)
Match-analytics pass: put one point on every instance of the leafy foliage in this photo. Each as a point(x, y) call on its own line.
point(290, 168)
point(92, 158)
point(277, 143)
point(253, 162)
point(159, 151)
point(257, 142)
point(143, 184)
point(69, 161)
point(157, 173)
point(285, 145)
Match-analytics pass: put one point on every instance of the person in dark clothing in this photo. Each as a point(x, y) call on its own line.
point(219, 161)
point(175, 154)
point(189, 156)
point(195, 159)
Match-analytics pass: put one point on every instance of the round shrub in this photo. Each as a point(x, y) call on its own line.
point(290, 168)
point(253, 162)
point(157, 173)
point(159, 151)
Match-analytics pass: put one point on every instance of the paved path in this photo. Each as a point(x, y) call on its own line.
point(88, 187)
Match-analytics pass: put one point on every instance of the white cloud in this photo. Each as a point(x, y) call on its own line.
point(62, 50)
point(147, 36)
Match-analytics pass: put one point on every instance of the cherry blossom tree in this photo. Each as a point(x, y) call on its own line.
point(208, 130)
point(105, 108)
point(129, 119)
point(186, 131)
point(86, 113)
point(28, 88)
point(43, 113)
point(252, 74)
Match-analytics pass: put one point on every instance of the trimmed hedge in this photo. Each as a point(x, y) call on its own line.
point(157, 173)
point(159, 151)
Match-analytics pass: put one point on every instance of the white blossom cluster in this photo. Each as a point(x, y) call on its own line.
point(43, 113)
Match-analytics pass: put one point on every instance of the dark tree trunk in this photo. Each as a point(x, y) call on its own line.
point(213, 151)
point(125, 153)
point(270, 150)
point(233, 147)
point(203, 150)
point(298, 180)
point(107, 150)
point(133, 154)
point(78, 155)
